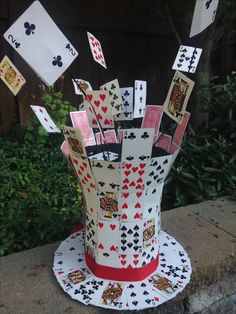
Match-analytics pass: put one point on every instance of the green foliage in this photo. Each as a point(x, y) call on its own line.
point(39, 200)
point(206, 166)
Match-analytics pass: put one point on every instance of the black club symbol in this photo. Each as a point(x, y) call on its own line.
point(111, 167)
point(131, 136)
point(29, 28)
point(57, 61)
point(126, 93)
point(208, 3)
point(113, 86)
point(145, 135)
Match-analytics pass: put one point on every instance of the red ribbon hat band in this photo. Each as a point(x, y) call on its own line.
point(121, 274)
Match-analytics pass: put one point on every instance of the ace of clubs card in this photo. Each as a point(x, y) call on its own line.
point(11, 76)
point(178, 96)
point(41, 44)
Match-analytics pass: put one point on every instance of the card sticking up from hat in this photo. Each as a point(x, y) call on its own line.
point(204, 15)
point(187, 59)
point(80, 121)
point(100, 102)
point(127, 98)
point(113, 89)
point(45, 119)
point(41, 44)
point(96, 50)
point(180, 130)
point(140, 91)
point(11, 76)
point(152, 117)
point(74, 141)
point(81, 84)
point(178, 96)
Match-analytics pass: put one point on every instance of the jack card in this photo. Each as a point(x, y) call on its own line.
point(178, 96)
point(11, 76)
point(74, 142)
point(41, 44)
point(45, 119)
point(187, 59)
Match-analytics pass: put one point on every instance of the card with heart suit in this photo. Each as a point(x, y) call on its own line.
point(113, 89)
point(137, 144)
point(164, 141)
point(131, 205)
point(114, 296)
point(81, 84)
point(45, 119)
point(180, 130)
point(41, 44)
point(74, 142)
point(127, 97)
point(187, 59)
point(140, 93)
point(96, 50)
point(152, 117)
point(80, 121)
point(204, 15)
point(100, 102)
point(178, 96)
point(11, 76)
point(108, 205)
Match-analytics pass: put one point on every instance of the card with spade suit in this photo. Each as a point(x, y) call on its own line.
point(41, 44)
point(178, 96)
point(113, 89)
point(187, 59)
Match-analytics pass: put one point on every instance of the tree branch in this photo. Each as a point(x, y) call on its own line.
point(173, 28)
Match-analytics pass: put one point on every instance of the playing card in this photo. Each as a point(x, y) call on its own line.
point(134, 176)
point(74, 142)
point(73, 278)
point(120, 135)
point(180, 130)
point(91, 236)
point(108, 205)
point(164, 141)
point(187, 59)
point(140, 295)
point(137, 144)
point(178, 96)
point(140, 92)
point(110, 136)
point(131, 205)
point(84, 85)
point(114, 296)
point(152, 201)
point(96, 50)
point(173, 148)
point(108, 238)
point(11, 76)
point(113, 89)
point(127, 97)
point(107, 175)
point(131, 237)
point(204, 15)
point(64, 149)
point(100, 102)
point(80, 121)
point(105, 155)
point(45, 119)
point(149, 233)
point(41, 44)
point(152, 117)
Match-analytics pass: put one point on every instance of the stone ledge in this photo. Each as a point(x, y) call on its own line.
point(208, 233)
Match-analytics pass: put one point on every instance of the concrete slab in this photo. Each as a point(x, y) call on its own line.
point(221, 213)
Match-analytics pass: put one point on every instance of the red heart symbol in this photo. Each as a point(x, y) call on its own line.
point(126, 180)
point(124, 216)
point(123, 256)
point(134, 169)
point(141, 172)
point(90, 97)
point(125, 195)
point(99, 116)
point(83, 181)
point(94, 121)
point(88, 190)
point(112, 248)
point(88, 176)
point(156, 298)
point(112, 226)
point(123, 262)
point(82, 168)
point(97, 103)
point(142, 166)
point(127, 172)
point(90, 109)
point(124, 206)
point(135, 255)
point(139, 194)
point(102, 96)
point(106, 122)
point(125, 187)
point(79, 172)
point(135, 262)
point(91, 185)
point(140, 180)
point(136, 216)
point(75, 161)
point(137, 205)
point(104, 109)
point(85, 165)
point(139, 187)
point(132, 183)
point(101, 247)
point(100, 224)
point(128, 166)
point(91, 209)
